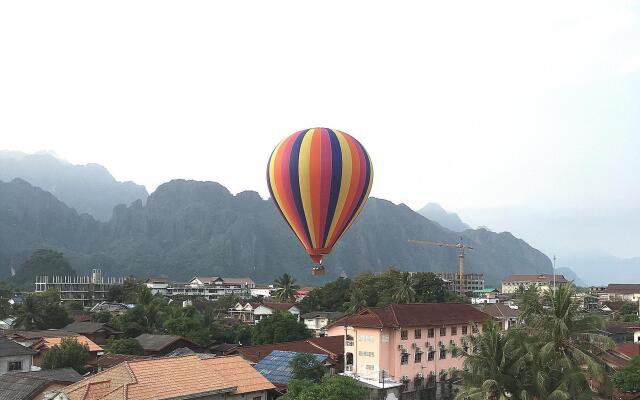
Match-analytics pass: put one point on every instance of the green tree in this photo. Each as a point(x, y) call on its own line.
point(41, 311)
point(116, 294)
point(357, 301)
point(627, 380)
point(42, 262)
point(285, 288)
point(186, 322)
point(628, 313)
point(332, 388)
point(125, 346)
point(330, 297)
point(430, 289)
point(404, 291)
point(69, 353)
point(307, 366)
point(279, 327)
point(102, 316)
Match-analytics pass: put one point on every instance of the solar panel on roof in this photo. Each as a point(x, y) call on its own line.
point(276, 368)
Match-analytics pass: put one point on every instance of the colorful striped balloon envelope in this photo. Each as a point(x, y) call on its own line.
point(319, 180)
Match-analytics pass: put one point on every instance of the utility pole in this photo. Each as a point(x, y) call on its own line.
point(554, 275)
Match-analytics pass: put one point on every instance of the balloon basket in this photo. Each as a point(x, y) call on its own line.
point(317, 271)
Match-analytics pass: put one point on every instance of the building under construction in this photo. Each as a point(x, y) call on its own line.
point(471, 281)
point(88, 290)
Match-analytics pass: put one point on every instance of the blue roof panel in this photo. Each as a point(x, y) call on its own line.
point(275, 367)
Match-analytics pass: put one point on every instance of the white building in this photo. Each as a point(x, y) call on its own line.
point(262, 291)
point(14, 357)
point(628, 292)
point(212, 287)
point(158, 285)
point(255, 312)
point(317, 321)
point(543, 282)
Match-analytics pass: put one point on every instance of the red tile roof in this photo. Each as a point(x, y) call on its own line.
point(419, 314)
point(546, 278)
point(500, 311)
point(278, 306)
point(628, 349)
point(332, 346)
point(174, 377)
point(623, 288)
point(110, 360)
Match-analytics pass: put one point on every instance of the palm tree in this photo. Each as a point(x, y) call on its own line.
point(568, 347)
point(357, 301)
point(493, 362)
point(405, 293)
point(285, 288)
point(28, 315)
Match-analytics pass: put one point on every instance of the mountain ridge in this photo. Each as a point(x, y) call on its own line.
point(449, 220)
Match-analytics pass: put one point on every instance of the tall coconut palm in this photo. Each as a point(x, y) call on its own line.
point(569, 349)
point(29, 313)
point(493, 365)
point(405, 293)
point(286, 288)
point(357, 301)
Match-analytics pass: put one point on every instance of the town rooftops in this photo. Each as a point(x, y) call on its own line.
point(10, 348)
point(332, 346)
point(89, 327)
point(500, 311)
point(418, 314)
point(278, 306)
point(157, 343)
point(49, 342)
point(331, 315)
point(211, 280)
point(543, 278)
point(42, 334)
point(276, 365)
point(157, 279)
point(614, 305)
point(623, 288)
point(619, 327)
point(28, 385)
point(109, 360)
point(171, 378)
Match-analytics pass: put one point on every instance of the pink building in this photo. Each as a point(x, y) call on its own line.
point(406, 342)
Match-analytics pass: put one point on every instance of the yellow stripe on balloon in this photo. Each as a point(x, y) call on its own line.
point(304, 168)
point(344, 183)
point(276, 192)
point(355, 216)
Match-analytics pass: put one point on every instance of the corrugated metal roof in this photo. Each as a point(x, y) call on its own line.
point(276, 366)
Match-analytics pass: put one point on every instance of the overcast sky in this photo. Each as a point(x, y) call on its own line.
point(479, 106)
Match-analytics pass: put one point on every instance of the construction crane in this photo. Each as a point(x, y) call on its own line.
point(461, 248)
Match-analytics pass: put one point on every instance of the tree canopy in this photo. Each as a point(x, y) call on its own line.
point(279, 327)
point(307, 366)
point(628, 378)
point(42, 262)
point(41, 311)
point(125, 346)
point(335, 387)
point(69, 353)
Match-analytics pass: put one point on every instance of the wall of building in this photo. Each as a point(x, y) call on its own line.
point(26, 363)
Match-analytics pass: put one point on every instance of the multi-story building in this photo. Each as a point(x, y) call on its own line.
point(212, 287)
point(88, 290)
point(256, 312)
point(406, 343)
point(543, 282)
point(472, 282)
point(157, 285)
point(629, 292)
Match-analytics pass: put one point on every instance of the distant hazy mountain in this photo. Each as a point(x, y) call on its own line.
point(88, 188)
point(599, 268)
point(189, 227)
point(571, 275)
point(452, 221)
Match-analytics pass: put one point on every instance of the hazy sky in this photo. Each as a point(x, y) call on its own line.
point(475, 105)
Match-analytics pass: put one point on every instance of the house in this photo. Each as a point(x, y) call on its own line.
point(158, 285)
point(187, 377)
point(629, 292)
point(302, 293)
point(331, 346)
point(621, 332)
point(111, 360)
point(223, 349)
point(97, 332)
point(543, 282)
point(29, 338)
point(14, 356)
point(160, 345)
point(255, 312)
point(33, 385)
point(612, 307)
point(262, 291)
point(317, 321)
point(485, 296)
point(507, 316)
point(46, 343)
point(276, 366)
point(407, 343)
point(110, 307)
point(212, 287)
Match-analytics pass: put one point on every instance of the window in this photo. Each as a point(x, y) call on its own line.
point(418, 358)
point(15, 366)
point(454, 330)
point(443, 354)
point(404, 334)
point(404, 359)
point(418, 333)
point(365, 353)
point(464, 329)
point(369, 367)
point(443, 331)
point(430, 332)
point(431, 355)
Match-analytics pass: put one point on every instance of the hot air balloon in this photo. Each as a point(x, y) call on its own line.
point(319, 180)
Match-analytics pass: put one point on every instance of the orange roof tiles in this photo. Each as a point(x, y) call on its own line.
point(160, 378)
point(49, 342)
